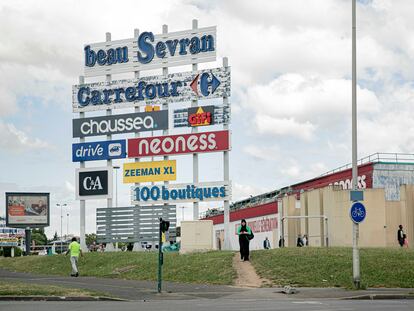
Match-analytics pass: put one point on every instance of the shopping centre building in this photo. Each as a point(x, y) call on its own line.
point(320, 207)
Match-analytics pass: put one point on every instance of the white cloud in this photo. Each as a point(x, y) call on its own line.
point(14, 140)
point(262, 153)
point(243, 191)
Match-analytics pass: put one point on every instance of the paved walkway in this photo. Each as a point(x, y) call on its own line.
point(246, 274)
point(146, 290)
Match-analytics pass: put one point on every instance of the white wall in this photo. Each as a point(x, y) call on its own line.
point(262, 227)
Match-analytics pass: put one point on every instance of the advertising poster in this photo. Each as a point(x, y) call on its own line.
point(27, 209)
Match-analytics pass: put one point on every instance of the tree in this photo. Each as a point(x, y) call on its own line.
point(55, 236)
point(90, 238)
point(39, 236)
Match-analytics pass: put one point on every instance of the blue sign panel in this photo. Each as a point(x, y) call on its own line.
point(358, 212)
point(101, 150)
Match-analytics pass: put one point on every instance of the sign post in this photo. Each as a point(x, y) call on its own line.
point(355, 226)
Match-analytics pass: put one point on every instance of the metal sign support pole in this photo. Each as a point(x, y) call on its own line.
point(137, 244)
point(226, 175)
point(82, 202)
point(165, 132)
point(194, 129)
point(109, 137)
point(28, 238)
point(355, 226)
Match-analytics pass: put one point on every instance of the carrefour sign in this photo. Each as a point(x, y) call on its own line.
point(177, 87)
point(149, 51)
point(180, 193)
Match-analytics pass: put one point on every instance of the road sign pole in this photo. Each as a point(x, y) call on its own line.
point(355, 226)
point(160, 259)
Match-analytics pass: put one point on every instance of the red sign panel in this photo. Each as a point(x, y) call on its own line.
point(179, 144)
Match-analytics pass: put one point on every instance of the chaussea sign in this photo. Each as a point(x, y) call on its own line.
point(149, 51)
point(176, 87)
point(121, 123)
point(100, 150)
point(93, 183)
point(179, 144)
point(137, 172)
point(180, 193)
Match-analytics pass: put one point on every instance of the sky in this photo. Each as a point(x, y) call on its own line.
point(290, 98)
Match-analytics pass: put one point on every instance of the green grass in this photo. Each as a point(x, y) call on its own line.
point(203, 268)
point(14, 288)
point(332, 267)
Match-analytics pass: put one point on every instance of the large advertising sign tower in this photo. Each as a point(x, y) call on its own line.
point(144, 139)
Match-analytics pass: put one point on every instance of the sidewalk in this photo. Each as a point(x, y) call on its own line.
point(146, 290)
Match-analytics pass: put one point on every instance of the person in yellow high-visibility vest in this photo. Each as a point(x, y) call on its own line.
point(74, 250)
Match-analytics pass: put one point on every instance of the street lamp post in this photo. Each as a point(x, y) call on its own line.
point(67, 225)
point(61, 225)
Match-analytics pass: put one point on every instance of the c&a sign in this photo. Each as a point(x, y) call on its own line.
point(93, 183)
point(137, 172)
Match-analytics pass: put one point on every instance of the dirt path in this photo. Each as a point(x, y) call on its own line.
point(246, 274)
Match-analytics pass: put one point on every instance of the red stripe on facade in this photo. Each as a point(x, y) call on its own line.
point(246, 213)
point(319, 182)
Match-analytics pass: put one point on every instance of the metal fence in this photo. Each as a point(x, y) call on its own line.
point(133, 224)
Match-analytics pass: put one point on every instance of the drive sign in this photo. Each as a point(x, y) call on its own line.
point(100, 150)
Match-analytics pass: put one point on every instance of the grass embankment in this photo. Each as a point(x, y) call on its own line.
point(204, 268)
point(13, 288)
point(330, 267)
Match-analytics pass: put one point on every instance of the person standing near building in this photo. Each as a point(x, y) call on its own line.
point(266, 243)
point(400, 235)
point(244, 232)
point(74, 250)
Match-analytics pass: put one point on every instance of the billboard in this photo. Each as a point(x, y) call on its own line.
point(181, 193)
point(179, 144)
point(148, 51)
point(93, 183)
point(201, 116)
point(27, 209)
point(152, 90)
point(121, 123)
point(9, 242)
point(137, 172)
point(100, 150)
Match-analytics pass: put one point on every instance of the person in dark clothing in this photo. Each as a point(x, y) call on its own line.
point(243, 231)
point(130, 247)
point(400, 235)
point(266, 243)
point(299, 242)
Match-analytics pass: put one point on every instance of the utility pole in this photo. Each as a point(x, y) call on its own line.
point(355, 226)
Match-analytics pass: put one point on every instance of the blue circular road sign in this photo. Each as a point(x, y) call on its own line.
point(358, 212)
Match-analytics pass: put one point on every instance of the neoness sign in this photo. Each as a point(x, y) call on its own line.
point(179, 144)
point(121, 123)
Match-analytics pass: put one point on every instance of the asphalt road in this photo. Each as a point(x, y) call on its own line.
point(215, 304)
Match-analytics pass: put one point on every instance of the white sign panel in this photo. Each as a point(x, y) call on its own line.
point(154, 90)
point(181, 193)
point(149, 51)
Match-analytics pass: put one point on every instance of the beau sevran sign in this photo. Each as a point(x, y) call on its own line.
point(149, 51)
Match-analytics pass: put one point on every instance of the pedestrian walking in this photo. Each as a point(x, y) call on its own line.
point(305, 240)
point(299, 241)
point(400, 235)
point(74, 250)
point(245, 235)
point(266, 243)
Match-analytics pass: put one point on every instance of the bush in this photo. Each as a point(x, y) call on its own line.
point(6, 252)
